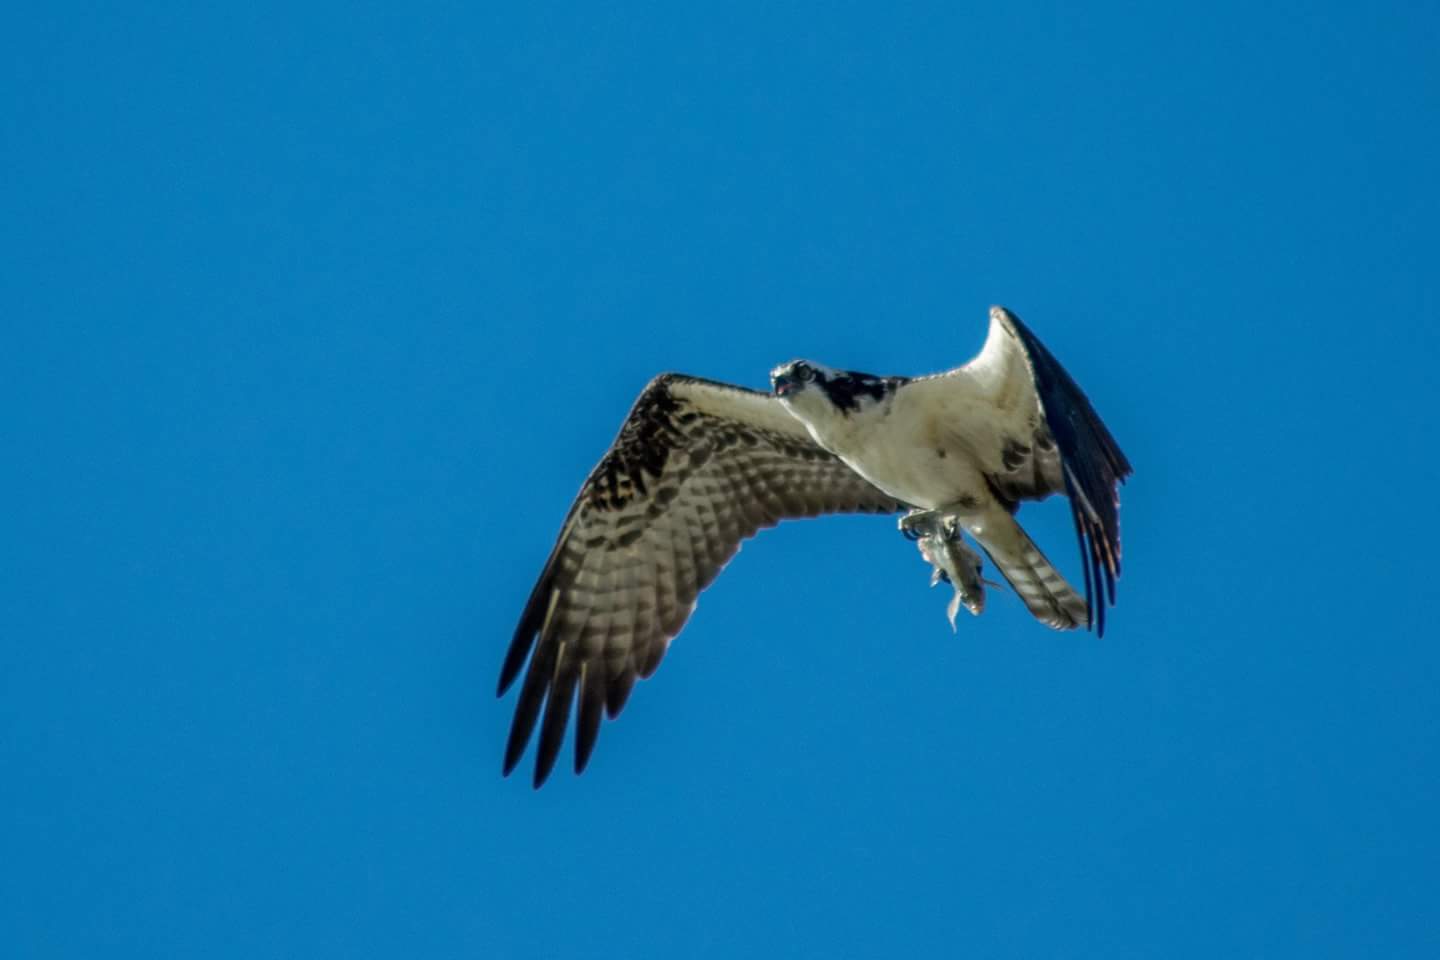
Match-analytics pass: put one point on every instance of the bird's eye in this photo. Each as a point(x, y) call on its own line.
point(804, 372)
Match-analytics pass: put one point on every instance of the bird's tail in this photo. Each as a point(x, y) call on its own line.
point(1043, 590)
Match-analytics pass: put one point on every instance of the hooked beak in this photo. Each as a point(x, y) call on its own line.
point(784, 385)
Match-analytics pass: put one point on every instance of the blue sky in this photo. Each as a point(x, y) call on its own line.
point(316, 317)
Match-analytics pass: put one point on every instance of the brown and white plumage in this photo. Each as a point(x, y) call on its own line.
point(973, 442)
point(697, 467)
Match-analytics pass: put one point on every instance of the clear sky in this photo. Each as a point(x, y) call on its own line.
point(315, 317)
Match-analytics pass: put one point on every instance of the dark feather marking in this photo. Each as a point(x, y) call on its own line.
point(1014, 453)
point(529, 624)
point(687, 564)
point(592, 707)
point(846, 390)
point(557, 713)
point(653, 656)
point(617, 693)
point(1081, 535)
point(527, 707)
point(646, 439)
point(647, 602)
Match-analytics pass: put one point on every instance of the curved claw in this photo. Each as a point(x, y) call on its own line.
point(915, 525)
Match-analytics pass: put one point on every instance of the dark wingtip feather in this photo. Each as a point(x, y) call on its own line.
point(653, 656)
point(592, 708)
point(1099, 590)
point(531, 619)
point(557, 715)
point(1084, 560)
point(514, 660)
point(527, 707)
point(526, 713)
point(619, 692)
point(514, 748)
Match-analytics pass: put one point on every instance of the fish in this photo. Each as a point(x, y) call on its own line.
point(956, 564)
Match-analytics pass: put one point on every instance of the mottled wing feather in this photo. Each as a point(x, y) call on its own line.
point(1072, 451)
point(697, 467)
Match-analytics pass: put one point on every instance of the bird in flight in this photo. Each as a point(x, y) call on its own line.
point(698, 466)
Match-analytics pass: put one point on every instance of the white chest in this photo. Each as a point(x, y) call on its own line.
point(907, 449)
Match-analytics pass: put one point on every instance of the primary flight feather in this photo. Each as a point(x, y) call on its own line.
point(698, 466)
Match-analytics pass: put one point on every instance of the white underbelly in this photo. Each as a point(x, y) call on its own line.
point(928, 475)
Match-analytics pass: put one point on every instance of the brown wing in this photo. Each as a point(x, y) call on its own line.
point(697, 467)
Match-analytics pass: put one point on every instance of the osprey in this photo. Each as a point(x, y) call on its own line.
point(699, 466)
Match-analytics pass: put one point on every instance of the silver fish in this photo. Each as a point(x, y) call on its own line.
point(955, 563)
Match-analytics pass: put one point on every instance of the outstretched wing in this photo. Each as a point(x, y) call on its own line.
point(1055, 443)
point(697, 467)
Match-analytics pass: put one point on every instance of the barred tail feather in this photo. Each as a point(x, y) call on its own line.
point(1039, 585)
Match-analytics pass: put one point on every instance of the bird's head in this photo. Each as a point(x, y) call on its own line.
point(813, 391)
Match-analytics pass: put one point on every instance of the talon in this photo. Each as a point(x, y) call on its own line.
point(917, 524)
